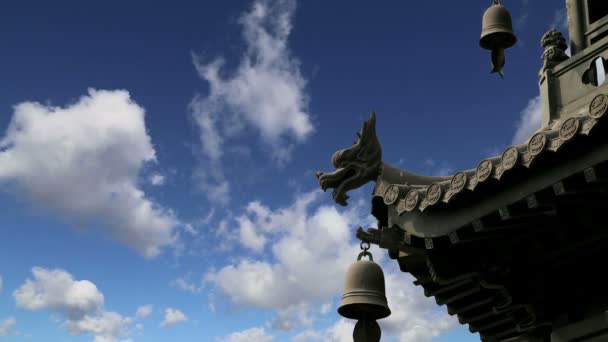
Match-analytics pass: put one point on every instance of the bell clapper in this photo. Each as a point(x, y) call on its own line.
point(367, 331)
point(498, 61)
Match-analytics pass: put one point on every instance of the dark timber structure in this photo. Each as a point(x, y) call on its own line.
point(517, 246)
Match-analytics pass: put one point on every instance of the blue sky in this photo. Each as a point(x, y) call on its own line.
point(157, 161)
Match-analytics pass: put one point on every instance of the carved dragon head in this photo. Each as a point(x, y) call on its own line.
point(356, 165)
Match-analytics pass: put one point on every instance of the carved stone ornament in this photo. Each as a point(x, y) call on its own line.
point(537, 144)
point(356, 165)
point(411, 200)
point(509, 158)
point(484, 170)
point(391, 195)
point(433, 194)
point(598, 106)
point(459, 181)
point(554, 45)
point(569, 129)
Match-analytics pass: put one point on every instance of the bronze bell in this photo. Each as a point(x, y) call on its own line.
point(364, 293)
point(497, 28)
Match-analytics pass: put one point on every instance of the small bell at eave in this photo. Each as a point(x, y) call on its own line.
point(497, 34)
point(364, 292)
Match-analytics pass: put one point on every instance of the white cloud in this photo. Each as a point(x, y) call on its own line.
point(106, 325)
point(173, 316)
point(79, 301)
point(299, 257)
point(307, 336)
point(253, 334)
point(284, 283)
point(57, 291)
point(213, 182)
point(259, 220)
point(7, 325)
point(249, 237)
point(529, 122)
point(266, 92)
point(341, 331)
point(144, 311)
point(156, 179)
point(297, 254)
point(293, 317)
point(414, 317)
point(325, 308)
point(82, 161)
point(1, 283)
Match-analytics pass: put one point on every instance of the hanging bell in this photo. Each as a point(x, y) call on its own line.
point(364, 293)
point(497, 28)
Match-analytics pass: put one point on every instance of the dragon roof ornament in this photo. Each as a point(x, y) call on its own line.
point(356, 165)
point(362, 163)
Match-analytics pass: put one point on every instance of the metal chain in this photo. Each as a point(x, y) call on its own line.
point(366, 247)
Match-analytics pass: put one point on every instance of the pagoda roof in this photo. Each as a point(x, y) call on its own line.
point(491, 242)
point(431, 206)
point(441, 206)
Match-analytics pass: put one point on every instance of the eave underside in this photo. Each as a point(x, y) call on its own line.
point(519, 257)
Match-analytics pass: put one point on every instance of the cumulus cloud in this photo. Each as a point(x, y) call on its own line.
point(266, 93)
point(414, 318)
point(57, 291)
point(286, 281)
point(79, 301)
point(7, 325)
point(173, 316)
point(293, 317)
point(82, 161)
point(106, 325)
point(253, 334)
point(144, 311)
point(281, 279)
point(259, 220)
point(529, 121)
point(341, 331)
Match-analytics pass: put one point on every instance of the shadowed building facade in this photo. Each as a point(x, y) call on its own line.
point(516, 246)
